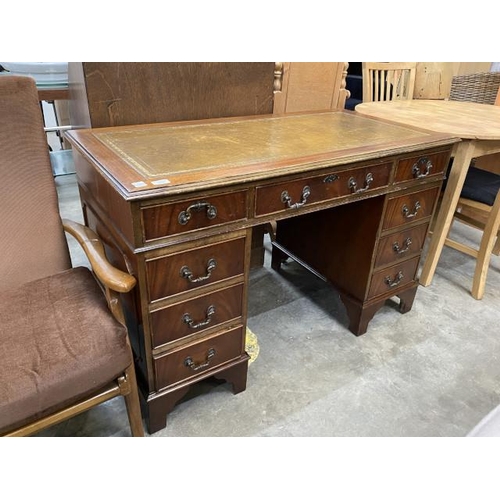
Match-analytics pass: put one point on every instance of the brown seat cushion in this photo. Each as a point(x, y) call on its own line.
point(58, 342)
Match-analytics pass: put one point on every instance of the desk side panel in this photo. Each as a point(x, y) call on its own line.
point(105, 200)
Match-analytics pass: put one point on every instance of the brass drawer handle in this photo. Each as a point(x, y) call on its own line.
point(406, 210)
point(422, 163)
point(185, 215)
point(406, 246)
point(189, 321)
point(353, 185)
point(330, 178)
point(191, 364)
point(396, 281)
point(286, 198)
point(187, 274)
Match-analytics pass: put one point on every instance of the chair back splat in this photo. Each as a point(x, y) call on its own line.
point(385, 81)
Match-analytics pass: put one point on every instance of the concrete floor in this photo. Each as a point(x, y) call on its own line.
point(434, 371)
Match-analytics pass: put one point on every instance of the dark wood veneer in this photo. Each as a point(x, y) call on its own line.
point(330, 185)
point(163, 220)
point(165, 277)
point(169, 324)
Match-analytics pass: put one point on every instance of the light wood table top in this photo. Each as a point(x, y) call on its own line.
point(478, 125)
point(466, 120)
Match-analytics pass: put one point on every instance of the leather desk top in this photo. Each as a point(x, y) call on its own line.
point(181, 156)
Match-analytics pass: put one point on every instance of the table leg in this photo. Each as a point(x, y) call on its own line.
point(463, 155)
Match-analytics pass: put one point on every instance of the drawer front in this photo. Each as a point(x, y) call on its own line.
point(197, 213)
point(420, 167)
point(401, 245)
point(410, 208)
point(199, 357)
point(195, 268)
point(393, 278)
point(196, 315)
point(297, 193)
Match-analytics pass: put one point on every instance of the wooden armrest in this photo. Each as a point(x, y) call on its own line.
point(109, 275)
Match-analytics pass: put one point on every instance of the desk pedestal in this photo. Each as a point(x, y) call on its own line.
point(362, 249)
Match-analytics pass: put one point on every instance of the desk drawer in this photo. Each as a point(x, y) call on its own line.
point(296, 193)
point(195, 213)
point(419, 167)
point(393, 278)
point(410, 208)
point(196, 315)
point(199, 357)
point(191, 269)
point(401, 245)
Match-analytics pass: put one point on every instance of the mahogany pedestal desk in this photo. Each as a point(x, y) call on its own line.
point(175, 204)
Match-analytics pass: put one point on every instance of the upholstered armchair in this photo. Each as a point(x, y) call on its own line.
point(63, 342)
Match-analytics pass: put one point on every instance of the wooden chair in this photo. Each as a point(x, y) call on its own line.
point(384, 81)
point(63, 344)
point(479, 207)
point(479, 202)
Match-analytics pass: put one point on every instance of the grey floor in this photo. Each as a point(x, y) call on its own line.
point(434, 371)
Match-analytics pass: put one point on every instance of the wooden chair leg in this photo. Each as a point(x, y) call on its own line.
point(485, 250)
point(496, 248)
point(132, 403)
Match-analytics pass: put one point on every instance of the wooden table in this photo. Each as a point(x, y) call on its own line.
point(478, 125)
point(176, 203)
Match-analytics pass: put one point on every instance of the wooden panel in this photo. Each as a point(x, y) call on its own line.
point(466, 68)
point(433, 79)
point(311, 86)
point(165, 275)
point(207, 311)
point(190, 214)
point(410, 208)
point(269, 199)
point(173, 367)
point(401, 245)
point(405, 168)
point(393, 278)
point(489, 162)
point(126, 93)
point(106, 201)
point(338, 243)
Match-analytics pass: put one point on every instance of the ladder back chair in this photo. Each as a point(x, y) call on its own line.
point(387, 81)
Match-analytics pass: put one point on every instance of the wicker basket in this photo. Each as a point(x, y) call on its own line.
point(477, 87)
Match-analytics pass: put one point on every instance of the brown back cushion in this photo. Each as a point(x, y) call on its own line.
point(32, 242)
